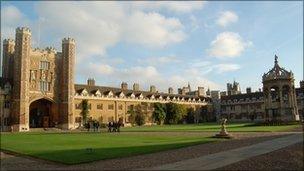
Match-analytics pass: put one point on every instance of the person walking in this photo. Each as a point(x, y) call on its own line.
point(97, 126)
point(88, 126)
point(110, 127)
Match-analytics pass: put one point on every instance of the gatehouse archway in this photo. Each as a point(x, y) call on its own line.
point(41, 113)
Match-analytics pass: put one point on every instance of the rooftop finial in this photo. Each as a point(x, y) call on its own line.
point(275, 59)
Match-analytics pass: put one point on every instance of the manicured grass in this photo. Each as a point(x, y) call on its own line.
point(210, 127)
point(70, 148)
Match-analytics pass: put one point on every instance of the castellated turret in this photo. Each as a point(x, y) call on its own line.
point(170, 90)
point(67, 82)
point(20, 98)
point(8, 58)
point(23, 30)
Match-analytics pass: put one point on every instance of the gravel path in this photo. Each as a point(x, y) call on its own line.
point(288, 158)
point(144, 161)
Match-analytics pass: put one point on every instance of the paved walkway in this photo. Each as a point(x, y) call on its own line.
point(217, 160)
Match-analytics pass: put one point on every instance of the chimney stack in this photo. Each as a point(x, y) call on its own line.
point(248, 90)
point(124, 86)
point(135, 87)
point(91, 82)
point(182, 91)
point(152, 89)
point(170, 90)
point(201, 91)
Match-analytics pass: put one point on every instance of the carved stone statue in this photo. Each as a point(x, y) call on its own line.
point(223, 129)
point(33, 77)
point(43, 75)
point(223, 133)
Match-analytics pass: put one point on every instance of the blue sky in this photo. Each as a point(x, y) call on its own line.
point(167, 43)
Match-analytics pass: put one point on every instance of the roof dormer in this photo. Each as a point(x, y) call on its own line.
point(84, 92)
point(109, 94)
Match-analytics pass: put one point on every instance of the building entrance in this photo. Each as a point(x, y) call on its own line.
point(41, 114)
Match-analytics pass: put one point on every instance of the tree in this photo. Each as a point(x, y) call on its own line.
point(175, 113)
point(132, 116)
point(181, 113)
point(137, 115)
point(190, 115)
point(204, 113)
point(159, 113)
point(85, 110)
point(140, 117)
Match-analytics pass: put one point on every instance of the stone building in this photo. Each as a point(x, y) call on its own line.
point(37, 89)
point(112, 104)
point(233, 88)
point(42, 83)
point(280, 100)
point(279, 94)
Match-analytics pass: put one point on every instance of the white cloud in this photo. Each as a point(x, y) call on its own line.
point(172, 6)
point(146, 76)
point(11, 17)
point(149, 75)
point(153, 29)
point(201, 63)
point(96, 26)
point(148, 72)
point(95, 69)
point(228, 45)
point(157, 61)
point(226, 18)
point(205, 67)
point(91, 24)
point(221, 68)
point(194, 23)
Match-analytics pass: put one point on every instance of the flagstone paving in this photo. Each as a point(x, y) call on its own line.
point(224, 158)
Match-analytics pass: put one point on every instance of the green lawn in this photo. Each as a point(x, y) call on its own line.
point(210, 127)
point(70, 148)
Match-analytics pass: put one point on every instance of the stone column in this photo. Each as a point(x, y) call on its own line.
point(116, 109)
point(20, 96)
point(269, 104)
point(281, 103)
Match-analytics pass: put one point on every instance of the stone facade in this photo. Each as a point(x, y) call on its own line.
point(279, 101)
point(279, 94)
point(38, 74)
point(112, 104)
point(37, 90)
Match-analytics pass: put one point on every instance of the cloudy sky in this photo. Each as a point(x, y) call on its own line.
point(167, 43)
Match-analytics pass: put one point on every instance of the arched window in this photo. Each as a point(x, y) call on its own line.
point(274, 92)
point(285, 93)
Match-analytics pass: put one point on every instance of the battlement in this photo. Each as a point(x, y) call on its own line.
point(8, 41)
point(45, 50)
point(23, 30)
point(50, 49)
point(68, 40)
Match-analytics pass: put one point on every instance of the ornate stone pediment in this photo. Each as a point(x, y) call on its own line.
point(277, 72)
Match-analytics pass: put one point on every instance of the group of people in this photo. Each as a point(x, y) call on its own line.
point(114, 126)
point(93, 125)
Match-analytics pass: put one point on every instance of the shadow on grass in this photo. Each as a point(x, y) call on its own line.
point(77, 156)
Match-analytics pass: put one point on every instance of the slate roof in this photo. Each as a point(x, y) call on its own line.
point(116, 91)
point(256, 95)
